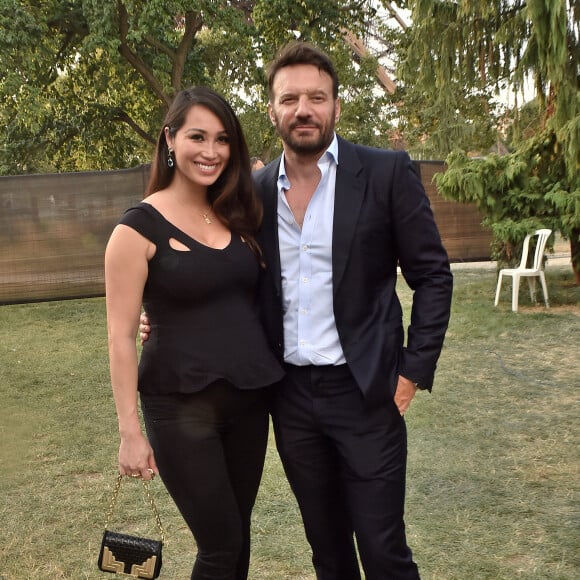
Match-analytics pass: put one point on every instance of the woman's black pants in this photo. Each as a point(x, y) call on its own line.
point(210, 448)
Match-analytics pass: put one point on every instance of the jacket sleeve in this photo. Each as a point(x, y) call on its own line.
point(425, 267)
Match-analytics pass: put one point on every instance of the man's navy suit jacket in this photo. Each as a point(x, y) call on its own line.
point(382, 219)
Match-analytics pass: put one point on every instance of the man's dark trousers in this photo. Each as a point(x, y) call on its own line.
point(346, 464)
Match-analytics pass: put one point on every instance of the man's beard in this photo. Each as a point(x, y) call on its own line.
point(306, 146)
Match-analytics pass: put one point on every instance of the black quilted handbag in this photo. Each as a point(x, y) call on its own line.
point(131, 556)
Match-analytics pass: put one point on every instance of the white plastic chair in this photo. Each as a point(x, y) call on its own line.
point(536, 270)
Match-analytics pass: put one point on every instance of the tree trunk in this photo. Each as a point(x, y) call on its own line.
point(575, 254)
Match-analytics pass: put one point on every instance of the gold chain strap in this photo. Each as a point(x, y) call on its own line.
point(149, 498)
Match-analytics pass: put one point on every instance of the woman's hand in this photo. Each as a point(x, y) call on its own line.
point(136, 457)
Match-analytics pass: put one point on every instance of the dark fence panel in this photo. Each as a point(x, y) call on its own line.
point(459, 223)
point(54, 228)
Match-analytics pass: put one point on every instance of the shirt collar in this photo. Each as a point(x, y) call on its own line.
point(331, 154)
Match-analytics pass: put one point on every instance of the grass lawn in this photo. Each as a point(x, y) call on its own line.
point(493, 470)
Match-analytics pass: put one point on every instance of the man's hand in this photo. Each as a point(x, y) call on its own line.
point(404, 394)
point(144, 328)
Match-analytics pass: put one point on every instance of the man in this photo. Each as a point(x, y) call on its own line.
point(338, 219)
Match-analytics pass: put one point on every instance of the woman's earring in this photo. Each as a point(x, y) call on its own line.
point(170, 162)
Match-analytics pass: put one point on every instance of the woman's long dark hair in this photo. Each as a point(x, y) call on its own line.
point(232, 197)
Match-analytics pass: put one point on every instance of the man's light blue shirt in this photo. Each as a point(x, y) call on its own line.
point(310, 335)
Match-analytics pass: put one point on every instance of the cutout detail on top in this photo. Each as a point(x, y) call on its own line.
point(179, 246)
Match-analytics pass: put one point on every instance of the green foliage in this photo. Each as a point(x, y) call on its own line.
point(517, 193)
point(451, 68)
point(460, 53)
point(87, 82)
point(483, 46)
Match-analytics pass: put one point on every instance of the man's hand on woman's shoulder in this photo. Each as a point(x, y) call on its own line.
point(144, 328)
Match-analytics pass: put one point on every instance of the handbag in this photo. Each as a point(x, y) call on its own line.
point(131, 556)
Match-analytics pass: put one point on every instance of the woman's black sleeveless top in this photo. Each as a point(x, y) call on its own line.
point(202, 308)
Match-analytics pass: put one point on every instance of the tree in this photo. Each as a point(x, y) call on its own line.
point(85, 83)
point(444, 101)
point(480, 46)
point(111, 69)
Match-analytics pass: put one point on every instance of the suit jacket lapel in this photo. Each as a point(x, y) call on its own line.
point(270, 246)
point(348, 198)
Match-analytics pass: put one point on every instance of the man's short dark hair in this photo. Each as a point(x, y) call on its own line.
point(301, 52)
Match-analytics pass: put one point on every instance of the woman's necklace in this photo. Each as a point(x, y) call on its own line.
point(207, 216)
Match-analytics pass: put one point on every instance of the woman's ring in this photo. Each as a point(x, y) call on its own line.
point(135, 475)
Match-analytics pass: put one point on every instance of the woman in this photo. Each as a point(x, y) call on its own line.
point(188, 254)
